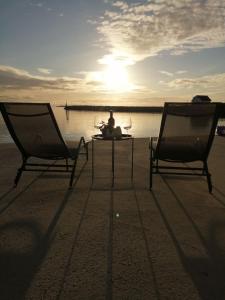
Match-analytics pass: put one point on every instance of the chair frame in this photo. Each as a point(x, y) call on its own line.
point(33, 167)
point(154, 166)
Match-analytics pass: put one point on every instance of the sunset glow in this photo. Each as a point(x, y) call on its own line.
point(98, 51)
point(115, 77)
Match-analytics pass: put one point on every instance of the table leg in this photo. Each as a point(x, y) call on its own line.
point(132, 157)
point(92, 153)
point(113, 160)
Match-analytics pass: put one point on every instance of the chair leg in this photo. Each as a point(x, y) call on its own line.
point(208, 176)
point(150, 170)
point(157, 165)
point(86, 147)
point(72, 173)
point(67, 167)
point(19, 172)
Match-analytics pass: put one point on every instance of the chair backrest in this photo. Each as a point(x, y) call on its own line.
point(191, 125)
point(34, 129)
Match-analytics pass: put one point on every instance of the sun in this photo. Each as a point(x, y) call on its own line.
point(115, 76)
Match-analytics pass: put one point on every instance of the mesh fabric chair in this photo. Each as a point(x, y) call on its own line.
point(34, 129)
point(186, 135)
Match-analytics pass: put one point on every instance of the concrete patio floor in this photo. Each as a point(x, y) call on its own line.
point(98, 242)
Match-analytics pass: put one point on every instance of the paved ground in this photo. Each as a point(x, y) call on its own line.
point(95, 242)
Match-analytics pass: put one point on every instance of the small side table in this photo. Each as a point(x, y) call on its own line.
point(124, 137)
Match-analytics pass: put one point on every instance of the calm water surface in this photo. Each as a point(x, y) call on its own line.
point(74, 124)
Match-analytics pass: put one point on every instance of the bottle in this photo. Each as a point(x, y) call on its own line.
point(111, 121)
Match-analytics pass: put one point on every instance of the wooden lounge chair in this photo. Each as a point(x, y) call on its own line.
point(186, 135)
point(34, 130)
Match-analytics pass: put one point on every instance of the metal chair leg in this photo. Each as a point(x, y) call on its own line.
point(150, 170)
point(208, 176)
point(86, 147)
point(72, 173)
point(19, 172)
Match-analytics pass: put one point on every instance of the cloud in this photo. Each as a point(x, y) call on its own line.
point(166, 73)
point(13, 78)
point(17, 79)
point(181, 72)
point(210, 83)
point(170, 74)
point(44, 70)
point(36, 4)
point(122, 5)
point(43, 7)
point(147, 29)
point(18, 84)
point(110, 59)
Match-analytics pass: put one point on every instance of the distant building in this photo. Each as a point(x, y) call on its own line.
point(201, 99)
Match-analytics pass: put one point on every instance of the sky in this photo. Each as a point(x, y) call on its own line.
point(134, 52)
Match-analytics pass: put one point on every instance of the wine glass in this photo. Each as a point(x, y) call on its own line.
point(127, 124)
point(98, 122)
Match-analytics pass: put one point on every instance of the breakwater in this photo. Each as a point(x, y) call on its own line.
point(141, 109)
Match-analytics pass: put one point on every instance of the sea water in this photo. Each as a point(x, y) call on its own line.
point(74, 124)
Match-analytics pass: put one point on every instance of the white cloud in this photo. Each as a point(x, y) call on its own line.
point(210, 83)
point(84, 87)
point(13, 78)
point(17, 79)
point(109, 59)
point(146, 29)
point(11, 71)
point(44, 70)
point(170, 74)
point(166, 73)
point(181, 72)
point(17, 84)
point(92, 22)
point(122, 5)
point(37, 4)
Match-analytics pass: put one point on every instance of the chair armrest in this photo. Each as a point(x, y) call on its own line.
point(87, 141)
point(76, 145)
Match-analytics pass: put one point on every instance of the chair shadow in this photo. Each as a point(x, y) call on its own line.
point(219, 191)
point(24, 249)
point(10, 202)
point(18, 266)
point(7, 205)
point(72, 247)
point(108, 279)
point(6, 193)
point(214, 189)
point(148, 250)
point(207, 273)
point(42, 174)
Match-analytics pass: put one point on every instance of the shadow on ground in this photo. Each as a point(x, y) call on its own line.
point(24, 246)
point(207, 270)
